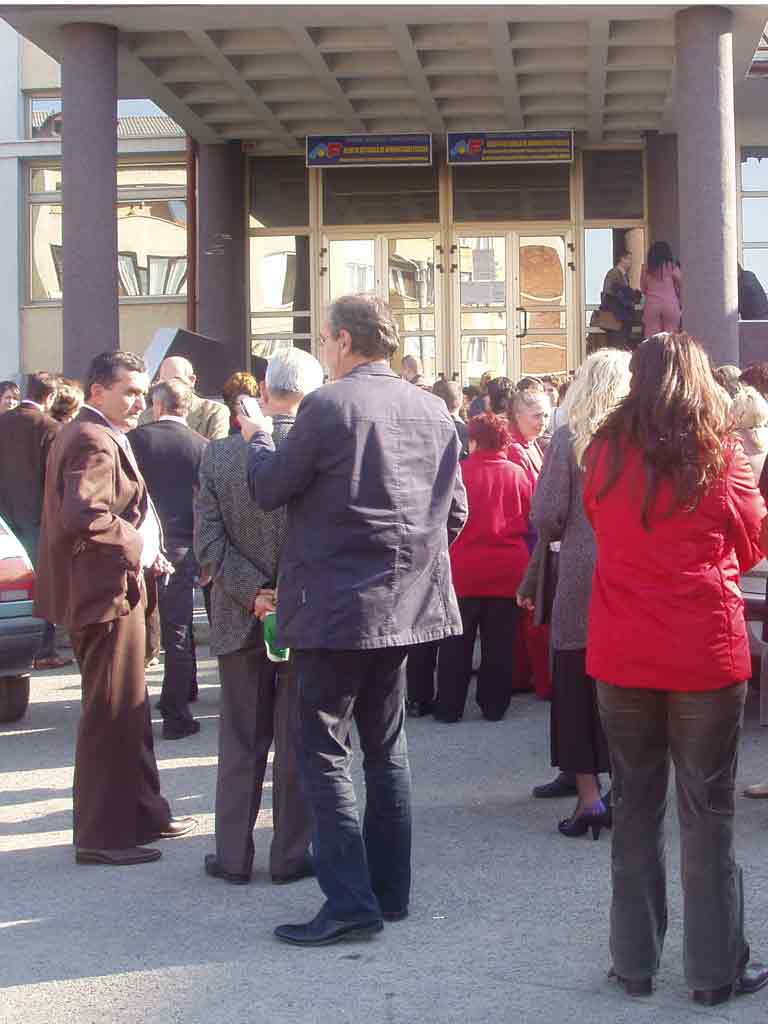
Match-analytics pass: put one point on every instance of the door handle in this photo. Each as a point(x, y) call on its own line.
point(524, 311)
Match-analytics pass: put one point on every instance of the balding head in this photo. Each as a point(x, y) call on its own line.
point(179, 368)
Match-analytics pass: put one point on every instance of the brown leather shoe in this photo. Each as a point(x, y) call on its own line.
point(117, 858)
point(759, 791)
point(176, 827)
point(55, 661)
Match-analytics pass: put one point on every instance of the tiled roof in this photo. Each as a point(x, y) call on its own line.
point(127, 127)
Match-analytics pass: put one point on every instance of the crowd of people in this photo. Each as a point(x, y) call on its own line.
point(581, 538)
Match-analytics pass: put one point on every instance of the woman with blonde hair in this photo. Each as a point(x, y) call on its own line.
point(577, 740)
point(750, 417)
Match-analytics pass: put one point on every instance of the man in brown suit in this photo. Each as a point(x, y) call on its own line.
point(26, 433)
point(99, 532)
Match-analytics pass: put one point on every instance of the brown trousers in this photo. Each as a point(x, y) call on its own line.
point(258, 703)
point(117, 801)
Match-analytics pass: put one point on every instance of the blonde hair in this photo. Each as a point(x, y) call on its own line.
point(600, 384)
point(749, 408)
point(750, 413)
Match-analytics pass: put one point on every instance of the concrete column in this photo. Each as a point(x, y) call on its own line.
point(707, 179)
point(222, 288)
point(663, 199)
point(89, 187)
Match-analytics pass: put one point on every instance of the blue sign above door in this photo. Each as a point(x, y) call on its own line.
point(554, 147)
point(369, 150)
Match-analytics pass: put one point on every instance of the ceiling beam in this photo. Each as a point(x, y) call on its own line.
point(599, 34)
point(500, 43)
point(165, 98)
point(229, 73)
point(325, 77)
point(409, 58)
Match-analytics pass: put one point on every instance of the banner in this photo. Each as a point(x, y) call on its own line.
point(369, 150)
point(555, 147)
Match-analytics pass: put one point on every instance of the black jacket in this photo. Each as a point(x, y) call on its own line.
point(370, 476)
point(168, 455)
point(753, 304)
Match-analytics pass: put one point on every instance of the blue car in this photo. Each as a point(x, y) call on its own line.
point(20, 631)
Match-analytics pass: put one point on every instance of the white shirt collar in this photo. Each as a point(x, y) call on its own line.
point(28, 401)
point(174, 419)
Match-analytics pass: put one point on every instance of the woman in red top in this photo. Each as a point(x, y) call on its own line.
point(677, 518)
point(487, 561)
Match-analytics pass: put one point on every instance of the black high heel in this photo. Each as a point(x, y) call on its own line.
point(596, 818)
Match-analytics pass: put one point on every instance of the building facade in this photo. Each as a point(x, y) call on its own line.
point(488, 264)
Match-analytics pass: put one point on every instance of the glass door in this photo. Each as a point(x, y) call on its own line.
point(542, 303)
point(401, 269)
point(514, 296)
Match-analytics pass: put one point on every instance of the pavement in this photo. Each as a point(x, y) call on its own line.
point(509, 920)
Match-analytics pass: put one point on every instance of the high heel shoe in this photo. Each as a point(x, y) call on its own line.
point(596, 817)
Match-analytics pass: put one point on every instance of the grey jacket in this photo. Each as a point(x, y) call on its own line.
point(370, 476)
point(237, 542)
point(558, 514)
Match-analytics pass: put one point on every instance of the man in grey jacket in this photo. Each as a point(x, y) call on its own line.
point(239, 545)
point(370, 476)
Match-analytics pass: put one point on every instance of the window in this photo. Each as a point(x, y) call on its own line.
point(278, 192)
point(151, 216)
point(136, 119)
point(380, 195)
point(512, 192)
point(279, 293)
point(613, 184)
point(754, 212)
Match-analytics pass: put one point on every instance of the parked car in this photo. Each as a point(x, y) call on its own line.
point(20, 631)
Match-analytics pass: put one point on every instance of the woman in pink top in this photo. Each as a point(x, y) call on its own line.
point(660, 283)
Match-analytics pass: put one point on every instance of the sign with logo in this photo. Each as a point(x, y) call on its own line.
point(409, 149)
point(555, 147)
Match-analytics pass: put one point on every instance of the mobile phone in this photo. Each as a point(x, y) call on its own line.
point(249, 407)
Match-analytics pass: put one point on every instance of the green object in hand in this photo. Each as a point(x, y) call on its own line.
point(274, 653)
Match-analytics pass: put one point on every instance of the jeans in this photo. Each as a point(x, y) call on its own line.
point(699, 732)
point(175, 601)
point(361, 872)
point(420, 671)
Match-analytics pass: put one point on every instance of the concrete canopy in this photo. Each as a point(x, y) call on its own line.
point(271, 74)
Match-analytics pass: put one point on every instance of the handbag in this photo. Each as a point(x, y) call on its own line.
point(546, 585)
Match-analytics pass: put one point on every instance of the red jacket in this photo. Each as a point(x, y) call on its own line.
point(666, 610)
point(527, 454)
point(490, 555)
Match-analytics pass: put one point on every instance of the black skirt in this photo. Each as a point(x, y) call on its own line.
point(577, 739)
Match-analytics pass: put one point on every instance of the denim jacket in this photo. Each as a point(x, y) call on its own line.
point(370, 476)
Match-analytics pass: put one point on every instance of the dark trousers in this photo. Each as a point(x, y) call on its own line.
point(497, 619)
point(420, 672)
point(699, 732)
point(175, 601)
point(258, 703)
point(361, 873)
point(117, 800)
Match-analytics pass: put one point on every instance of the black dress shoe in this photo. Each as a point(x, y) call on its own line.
point(392, 916)
point(563, 785)
point(323, 931)
point(175, 732)
point(752, 978)
point(305, 871)
point(446, 719)
point(215, 870)
point(635, 987)
point(419, 708)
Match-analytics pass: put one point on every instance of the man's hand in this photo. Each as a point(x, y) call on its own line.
point(162, 567)
point(264, 604)
point(249, 425)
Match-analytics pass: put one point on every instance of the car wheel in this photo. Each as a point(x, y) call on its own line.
point(14, 697)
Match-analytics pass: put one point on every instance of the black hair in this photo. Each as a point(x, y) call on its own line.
point(104, 368)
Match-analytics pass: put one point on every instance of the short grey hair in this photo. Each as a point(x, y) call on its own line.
point(369, 322)
point(174, 395)
point(293, 372)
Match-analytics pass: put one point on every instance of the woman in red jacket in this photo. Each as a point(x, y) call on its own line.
point(677, 518)
point(487, 561)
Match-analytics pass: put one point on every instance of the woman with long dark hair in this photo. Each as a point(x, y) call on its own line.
point(677, 517)
point(661, 283)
